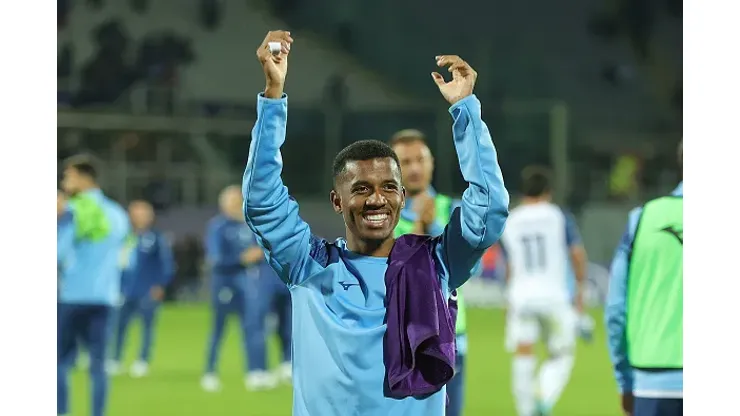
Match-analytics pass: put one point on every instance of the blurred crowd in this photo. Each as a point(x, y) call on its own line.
point(108, 74)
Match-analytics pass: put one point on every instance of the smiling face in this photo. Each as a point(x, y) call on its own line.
point(369, 195)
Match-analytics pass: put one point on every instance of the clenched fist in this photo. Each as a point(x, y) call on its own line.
point(275, 65)
point(463, 78)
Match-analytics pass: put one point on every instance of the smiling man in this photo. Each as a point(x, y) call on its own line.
point(343, 308)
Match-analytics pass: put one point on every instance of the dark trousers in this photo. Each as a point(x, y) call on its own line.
point(266, 294)
point(225, 301)
point(456, 388)
point(146, 308)
point(88, 324)
point(657, 407)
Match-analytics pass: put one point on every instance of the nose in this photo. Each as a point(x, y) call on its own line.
point(376, 199)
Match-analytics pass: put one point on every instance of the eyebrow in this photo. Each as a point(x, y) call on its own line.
point(367, 183)
point(359, 183)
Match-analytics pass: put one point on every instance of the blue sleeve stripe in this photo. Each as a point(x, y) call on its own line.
point(318, 251)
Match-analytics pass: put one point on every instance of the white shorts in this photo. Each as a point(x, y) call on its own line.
point(555, 323)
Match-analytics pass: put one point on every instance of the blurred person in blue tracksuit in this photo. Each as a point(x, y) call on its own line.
point(63, 219)
point(144, 284)
point(243, 284)
point(89, 243)
point(77, 357)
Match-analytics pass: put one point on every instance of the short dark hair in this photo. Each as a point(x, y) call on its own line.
point(85, 164)
point(407, 136)
point(362, 150)
point(535, 181)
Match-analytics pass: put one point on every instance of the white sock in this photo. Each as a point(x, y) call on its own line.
point(523, 383)
point(554, 376)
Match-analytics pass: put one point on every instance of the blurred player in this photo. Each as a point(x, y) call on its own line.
point(64, 217)
point(428, 212)
point(266, 293)
point(338, 289)
point(644, 308)
point(144, 285)
point(234, 258)
point(90, 242)
point(538, 241)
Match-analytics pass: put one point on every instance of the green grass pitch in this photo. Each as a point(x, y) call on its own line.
point(173, 385)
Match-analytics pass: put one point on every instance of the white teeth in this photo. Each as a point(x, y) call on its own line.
point(376, 217)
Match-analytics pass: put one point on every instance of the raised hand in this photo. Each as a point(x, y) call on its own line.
point(463, 78)
point(275, 65)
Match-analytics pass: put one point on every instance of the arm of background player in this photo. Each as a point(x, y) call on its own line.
point(507, 264)
point(479, 221)
point(417, 227)
point(436, 228)
point(253, 254)
point(616, 306)
point(270, 212)
point(578, 258)
point(129, 253)
point(166, 261)
point(216, 251)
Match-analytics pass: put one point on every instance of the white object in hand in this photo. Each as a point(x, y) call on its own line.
point(275, 47)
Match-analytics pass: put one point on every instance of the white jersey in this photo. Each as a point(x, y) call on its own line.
point(536, 243)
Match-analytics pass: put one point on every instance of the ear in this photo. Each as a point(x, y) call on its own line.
point(403, 197)
point(336, 201)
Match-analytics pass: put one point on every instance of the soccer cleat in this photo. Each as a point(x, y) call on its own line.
point(284, 373)
point(210, 383)
point(139, 369)
point(586, 327)
point(83, 362)
point(113, 367)
point(260, 380)
point(542, 410)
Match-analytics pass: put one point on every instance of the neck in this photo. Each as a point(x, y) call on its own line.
point(417, 192)
point(86, 188)
point(372, 248)
point(528, 200)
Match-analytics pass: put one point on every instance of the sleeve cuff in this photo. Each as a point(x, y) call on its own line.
point(470, 101)
point(262, 99)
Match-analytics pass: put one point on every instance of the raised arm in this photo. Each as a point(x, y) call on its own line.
point(479, 221)
point(270, 212)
